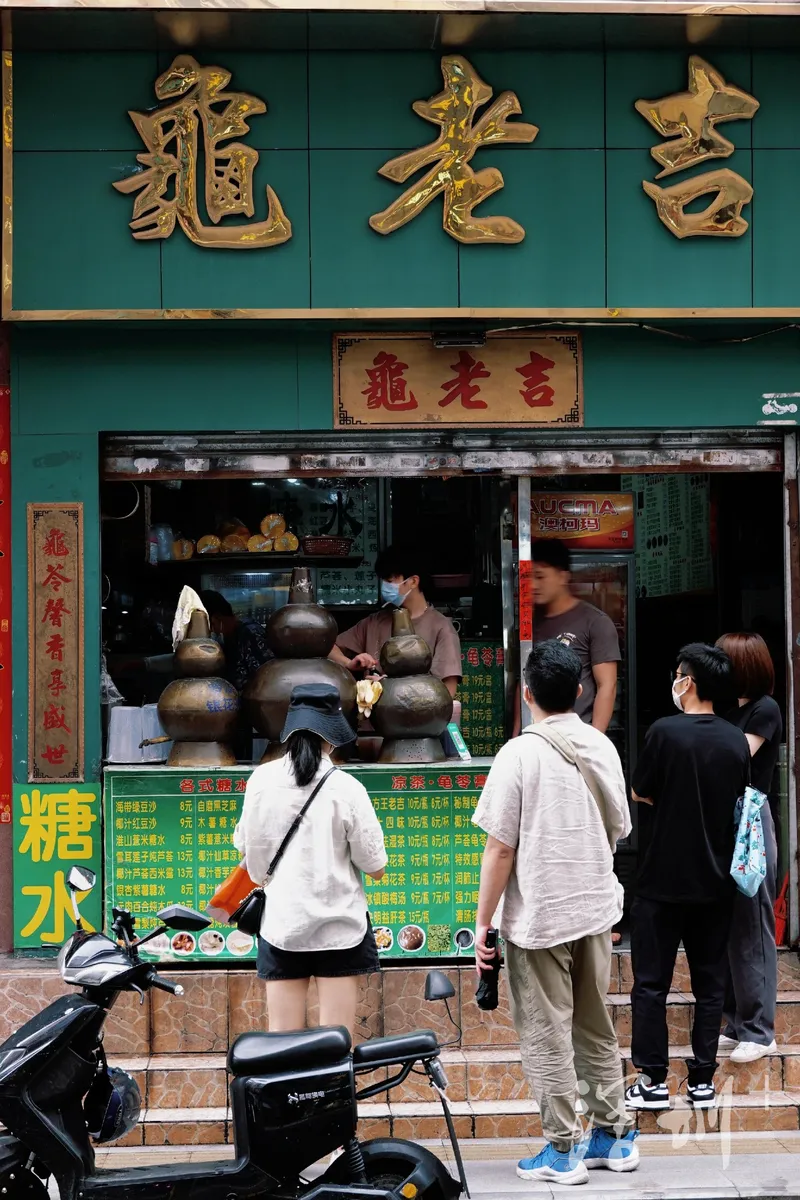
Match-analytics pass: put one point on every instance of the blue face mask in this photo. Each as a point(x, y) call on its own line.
point(390, 593)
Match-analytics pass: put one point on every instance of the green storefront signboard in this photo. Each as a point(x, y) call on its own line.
point(55, 827)
point(169, 833)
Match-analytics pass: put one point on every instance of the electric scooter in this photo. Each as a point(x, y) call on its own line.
point(293, 1095)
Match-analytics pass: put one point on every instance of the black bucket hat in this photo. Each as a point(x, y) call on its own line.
point(317, 707)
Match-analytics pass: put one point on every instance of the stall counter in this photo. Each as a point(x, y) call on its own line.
point(168, 840)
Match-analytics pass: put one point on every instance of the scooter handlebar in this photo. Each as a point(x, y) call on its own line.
point(164, 985)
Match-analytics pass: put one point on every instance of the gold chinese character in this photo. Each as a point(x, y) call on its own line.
point(690, 119)
point(53, 899)
point(169, 187)
point(57, 820)
point(455, 110)
point(723, 216)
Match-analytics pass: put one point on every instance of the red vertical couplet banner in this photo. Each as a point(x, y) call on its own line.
point(525, 600)
point(6, 733)
point(55, 643)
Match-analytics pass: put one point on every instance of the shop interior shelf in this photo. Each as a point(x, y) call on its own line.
point(260, 562)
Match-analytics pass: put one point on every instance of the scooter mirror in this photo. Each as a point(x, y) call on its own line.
point(81, 879)
point(186, 920)
point(438, 986)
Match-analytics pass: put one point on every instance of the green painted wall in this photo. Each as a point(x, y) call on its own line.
point(593, 237)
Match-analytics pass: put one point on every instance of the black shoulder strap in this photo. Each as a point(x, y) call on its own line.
point(295, 824)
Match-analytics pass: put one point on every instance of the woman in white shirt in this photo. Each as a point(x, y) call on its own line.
point(315, 918)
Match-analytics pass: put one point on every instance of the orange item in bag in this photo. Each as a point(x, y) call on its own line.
point(230, 894)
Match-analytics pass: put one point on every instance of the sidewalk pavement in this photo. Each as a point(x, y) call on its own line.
point(711, 1167)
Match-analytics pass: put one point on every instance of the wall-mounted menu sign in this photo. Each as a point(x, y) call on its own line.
point(673, 534)
point(55, 642)
point(169, 840)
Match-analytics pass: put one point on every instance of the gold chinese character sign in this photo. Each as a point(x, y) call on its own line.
point(55, 642)
point(403, 381)
point(455, 111)
point(194, 101)
point(690, 119)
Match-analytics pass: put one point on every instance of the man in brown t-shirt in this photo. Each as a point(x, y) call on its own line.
point(402, 585)
point(585, 629)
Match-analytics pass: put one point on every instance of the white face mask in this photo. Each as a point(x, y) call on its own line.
point(677, 697)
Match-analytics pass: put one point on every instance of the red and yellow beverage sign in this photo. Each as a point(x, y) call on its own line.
point(586, 520)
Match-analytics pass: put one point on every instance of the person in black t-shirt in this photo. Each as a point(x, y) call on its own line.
point(691, 772)
point(749, 1030)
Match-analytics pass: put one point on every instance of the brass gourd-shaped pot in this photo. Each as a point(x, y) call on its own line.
point(199, 711)
point(301, 635)
point(415, 707)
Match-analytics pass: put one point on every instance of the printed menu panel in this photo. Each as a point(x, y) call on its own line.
point(673, 534)
point(168, 840)
point(482, 696)
point(424, 906)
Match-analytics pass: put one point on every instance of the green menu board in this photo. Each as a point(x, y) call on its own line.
point(425, 904)
point(168, 840)
point(482, 696)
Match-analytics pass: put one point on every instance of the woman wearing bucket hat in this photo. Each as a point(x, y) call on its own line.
point(315, 921)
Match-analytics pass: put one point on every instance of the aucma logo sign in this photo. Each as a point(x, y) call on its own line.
point(595, 521)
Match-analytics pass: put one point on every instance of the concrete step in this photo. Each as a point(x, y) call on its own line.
point(622, 972)
point(172, 1082)
point(420, 1120)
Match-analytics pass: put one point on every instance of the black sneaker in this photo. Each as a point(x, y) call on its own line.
point(701, 1095)
point(643, 1095)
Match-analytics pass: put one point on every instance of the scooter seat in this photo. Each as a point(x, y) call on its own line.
point(264, 1053)
point(398, 1049)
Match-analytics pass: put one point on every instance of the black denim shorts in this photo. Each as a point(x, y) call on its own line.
point(274, 964)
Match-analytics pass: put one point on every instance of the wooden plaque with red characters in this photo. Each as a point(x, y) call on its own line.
point(402, 380)
point(55, 643)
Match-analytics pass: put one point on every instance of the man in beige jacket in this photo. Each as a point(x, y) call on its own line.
point(554, 807)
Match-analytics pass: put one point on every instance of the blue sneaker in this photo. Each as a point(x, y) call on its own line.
point(602, 1149)
point(554, 1166)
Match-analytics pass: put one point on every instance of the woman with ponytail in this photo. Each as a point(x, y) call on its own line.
point(315, 920)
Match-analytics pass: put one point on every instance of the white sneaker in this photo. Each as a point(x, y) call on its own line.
point(747, 1052)
point(726, 1043)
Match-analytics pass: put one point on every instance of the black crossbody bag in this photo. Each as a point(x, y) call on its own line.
point(250, 913)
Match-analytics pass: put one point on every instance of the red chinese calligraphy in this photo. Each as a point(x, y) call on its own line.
point(241, 785)
point(56, 684)
point(206, 785)
point(387, 385)
point(416, 782)
point(55, 578)
point(399, 782)
point(54, 545)
point(54, 610)
point(462, 781)
point(462, 386)
point(187, 786)
point(537, 392)
point(445, 781)
point(224, 785)
point(55, 717)
point(55, 648)
point(480, 781)
point(54, 755)
point(472, 656)
point(487, 655)
point(501, 657)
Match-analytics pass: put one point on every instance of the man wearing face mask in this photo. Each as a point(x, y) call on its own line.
point(692, 770)
point(403, 584)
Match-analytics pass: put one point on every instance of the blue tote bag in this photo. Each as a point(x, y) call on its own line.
point(749, 866)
